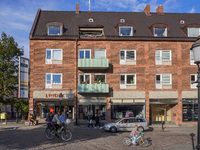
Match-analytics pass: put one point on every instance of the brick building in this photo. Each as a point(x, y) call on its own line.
point(114, 64)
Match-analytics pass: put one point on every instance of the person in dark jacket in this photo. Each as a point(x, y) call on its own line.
point(97, 121)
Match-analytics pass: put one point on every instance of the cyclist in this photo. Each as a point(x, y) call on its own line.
point(133, 133)
point(56, 120)
point(63, 119)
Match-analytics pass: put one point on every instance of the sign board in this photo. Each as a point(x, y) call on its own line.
point(23, 77)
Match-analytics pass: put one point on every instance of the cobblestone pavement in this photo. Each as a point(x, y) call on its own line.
point(33, 137)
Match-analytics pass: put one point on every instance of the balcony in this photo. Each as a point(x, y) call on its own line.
point(93, 88)
point(93, 64)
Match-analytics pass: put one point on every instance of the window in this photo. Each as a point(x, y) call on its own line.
point(122, 20)
point(127, 79)
point(193, 78)
point(182, 21)
point(190, 110)
point(91, 20)
point(53, 78)
point(99, 54)
point(127, 55)
point(162, 55)
point(100, 78)
point(192, 58)
point(91, 32)
point(53, 54)
point(160, 32)
point(54, 30)
point(84, 54)
point(84, 79)
point(126, 31)
point(193, 32)
point(163, 79)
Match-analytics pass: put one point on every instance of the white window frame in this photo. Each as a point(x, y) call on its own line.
point(193, 86)
point(91, 20)
point(191, 61)
point(161, 54)
point(84, 53)
point(100, 74)
point(84, 74)
point(161, 76)
point(126, 79)
point(56, 26)
point(155, 35)
point(50, 85)
point(125, 56)
point(49, 61)
point(189, 32)
point(101, 50)
point(126, 27)
point(122, 20)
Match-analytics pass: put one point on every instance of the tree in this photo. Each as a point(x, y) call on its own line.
point(9, 54)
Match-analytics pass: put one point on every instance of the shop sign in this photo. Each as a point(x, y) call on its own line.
point(53, 95)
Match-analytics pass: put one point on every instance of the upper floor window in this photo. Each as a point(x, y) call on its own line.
point(99, 78)
point(54, 30)
point(192, 58)
point(53, 80)
point(126, 31)
point(193, 78)
point(127, 79)
point(100, 54)
point(163, 57)
point(84, 54)
point(193, 32)
point(85, 78)
point(122, 20)
point(53, 56)
point(127, 56)
point(91, 32)
point(160, 31)
point(163, 79)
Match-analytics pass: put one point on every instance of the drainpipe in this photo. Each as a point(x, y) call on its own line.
point(76, 91)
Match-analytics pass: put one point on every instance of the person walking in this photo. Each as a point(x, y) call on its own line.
point(90, 122)
point(97, 123)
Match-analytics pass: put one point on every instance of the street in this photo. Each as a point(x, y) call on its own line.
point(84, 138)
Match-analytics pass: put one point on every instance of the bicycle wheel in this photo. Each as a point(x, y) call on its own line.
point(66, 135)
point(143, 142)
point(127, 141)
point(49, 134)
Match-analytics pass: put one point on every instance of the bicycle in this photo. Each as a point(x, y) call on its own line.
point(51, 132)
point(139, 140)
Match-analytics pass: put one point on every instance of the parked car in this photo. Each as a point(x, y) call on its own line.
point(127, 124)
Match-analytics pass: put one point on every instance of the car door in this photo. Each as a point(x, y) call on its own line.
point(122, 124)
point(131, 124)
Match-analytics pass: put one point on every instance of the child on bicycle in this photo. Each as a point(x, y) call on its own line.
point(133, 133)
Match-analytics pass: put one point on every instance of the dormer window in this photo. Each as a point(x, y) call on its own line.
point(193, 32)
point(91, 20)
point(125, 31)
point(122, 20)
point(160, 32)
point(91, 32)
point(54, 30)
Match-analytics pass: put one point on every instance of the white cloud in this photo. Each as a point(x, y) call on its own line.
point(192, 10)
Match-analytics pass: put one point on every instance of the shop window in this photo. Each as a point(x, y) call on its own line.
point(193, 32)
point(54, 30)
point(160, 32)
point(53, 56)
point(127, 56)
point(193, 78)
point(85, 111)
point(163, 80)
point(99, 54)
point(84, 78)
point(84, 54)
point(53, 80)
point(120, 111)
point(163, 56)
point(125, 31)
point(100, 78)
point(190, 110)
point(192, 58)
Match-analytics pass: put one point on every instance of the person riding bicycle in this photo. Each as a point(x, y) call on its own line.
point(49, 117)
point(133, 133)
point(56, 120)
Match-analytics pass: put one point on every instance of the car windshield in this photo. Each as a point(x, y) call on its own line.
point(117, 120)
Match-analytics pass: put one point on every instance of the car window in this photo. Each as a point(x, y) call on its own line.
point(140, 120)
point(125, 121)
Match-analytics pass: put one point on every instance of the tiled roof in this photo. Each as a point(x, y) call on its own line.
point(110, 20)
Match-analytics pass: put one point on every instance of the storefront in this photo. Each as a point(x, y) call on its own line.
point(190, 110)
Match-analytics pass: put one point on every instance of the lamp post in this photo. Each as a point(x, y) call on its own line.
point(60, 98)
point(196, 52)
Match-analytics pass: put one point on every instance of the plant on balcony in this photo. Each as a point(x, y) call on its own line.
point(83, 82)
point(132, 82)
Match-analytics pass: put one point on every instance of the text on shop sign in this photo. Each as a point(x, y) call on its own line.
point(53, 95)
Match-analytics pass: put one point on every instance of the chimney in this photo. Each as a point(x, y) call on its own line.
point(77, 8)
point(147, 9)
point(159, 10)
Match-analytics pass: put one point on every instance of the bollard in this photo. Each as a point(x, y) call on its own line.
point(163, 125)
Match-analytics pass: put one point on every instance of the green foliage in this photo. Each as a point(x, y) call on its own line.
point(9, 53)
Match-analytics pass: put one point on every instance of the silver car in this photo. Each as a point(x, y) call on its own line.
point(127, 124)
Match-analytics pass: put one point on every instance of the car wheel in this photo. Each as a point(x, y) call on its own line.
point(113, 129)
point(140, 129)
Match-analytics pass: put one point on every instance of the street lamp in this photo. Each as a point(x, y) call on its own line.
point(60, 98)
point(196, 52)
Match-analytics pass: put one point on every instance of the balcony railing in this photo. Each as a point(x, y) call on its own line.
point(93, 63)
point(93, 88)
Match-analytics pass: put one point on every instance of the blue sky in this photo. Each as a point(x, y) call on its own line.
point(17, 16)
